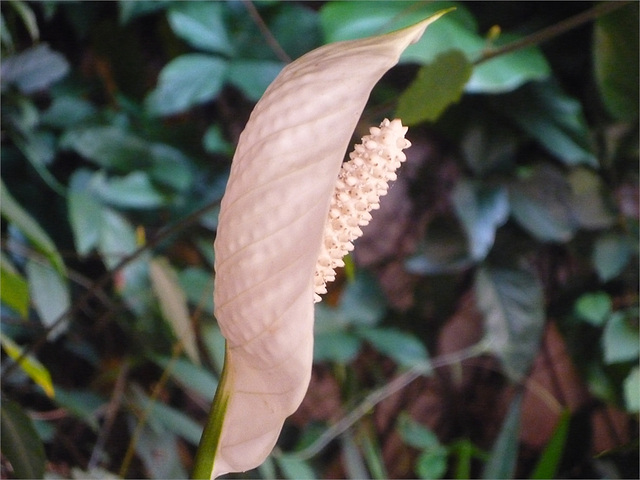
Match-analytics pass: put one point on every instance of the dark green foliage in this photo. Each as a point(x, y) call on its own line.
point(510, 237)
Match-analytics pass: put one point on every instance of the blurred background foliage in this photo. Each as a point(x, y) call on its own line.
point(507, 249)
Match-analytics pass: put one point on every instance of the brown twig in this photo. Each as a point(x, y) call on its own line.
point(554, 30)
point(264, 29)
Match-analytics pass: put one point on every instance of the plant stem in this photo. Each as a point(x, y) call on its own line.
point(553, 31)
point(375, 397)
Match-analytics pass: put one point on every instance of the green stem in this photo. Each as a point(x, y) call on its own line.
point(209, 442)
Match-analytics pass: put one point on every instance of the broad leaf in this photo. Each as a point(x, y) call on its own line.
point(416, 434)
point(620, 339)
point(437, 85)
point(611, 254)
point(593, 308)
point(482, 210)
point(554, 119)
point(188, 80)
point(67, 111)
point(294, 468)
point(158, 450)
point(402, 347)
point(110, 147)
point(541, 203)
point(192, 377)
point(512, 303)
point(201, 24)
point(615, 60)
point(34, 69)
point(457, 31)
point(266, 255)
point(134, 190)
point(253, 77)
point(50, 295)
point(20, 442)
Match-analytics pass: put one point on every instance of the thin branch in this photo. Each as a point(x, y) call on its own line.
point(266, 33)
point(554, 30)
point(375, 397)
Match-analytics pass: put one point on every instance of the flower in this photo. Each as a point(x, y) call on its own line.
point(290, 211)
point(361, 182)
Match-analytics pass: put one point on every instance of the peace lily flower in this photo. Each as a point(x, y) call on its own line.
point(290, 213)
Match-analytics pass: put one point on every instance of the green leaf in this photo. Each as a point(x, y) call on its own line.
point(197, 284)
point(253, 77)
point(83, 404)
point(455, 31)
point(351, 20)
point(15, 214)
point(554, 119)
point(415, 434)
point(512, 302)
point(541, 203)
point(611, 254)
point(158, 450)
point(67, 111)
point(20, 442)
point(593, 308)
point(202, 25)
point(335, 346)
point(632, 390)
point(432, 463)
point(293, 467)
point(15, 290)
point(305, 18)
point(173, 304)
point(482, 210)
point(117, 238)
point(50, 295)
point(436, 86)
point(187, 81)
point(170, 167)
point(85, 215)
point(109, 147)
point(549, 461)
point(214, 142)
point(34, 69)
point(404, 348)
point(615, 61)
point(170, 418)
point(443, 249)
point(131, 10)
point(502, 461)
point(29, 364)
point(588, 204)
point(507, 72)
point(134, 190)
point(620, 339)
point(190, 376)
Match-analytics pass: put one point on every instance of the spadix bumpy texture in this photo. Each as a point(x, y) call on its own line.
point(361, 183)
point(271, 232)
